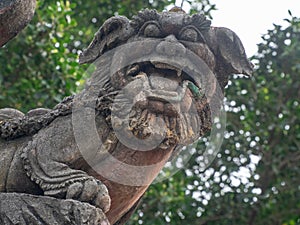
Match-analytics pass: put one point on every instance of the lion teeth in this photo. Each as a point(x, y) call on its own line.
point(133, 70)
point(160, 65)
point(141, 75)
point(179, 72)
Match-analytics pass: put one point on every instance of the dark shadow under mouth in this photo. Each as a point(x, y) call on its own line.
point(167, 71)
point(166, 83)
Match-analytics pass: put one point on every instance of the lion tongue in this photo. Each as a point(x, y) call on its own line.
point(157, 81)
point(165, 95)
point(172, 109)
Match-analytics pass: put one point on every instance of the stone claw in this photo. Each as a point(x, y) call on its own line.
point(91, 191)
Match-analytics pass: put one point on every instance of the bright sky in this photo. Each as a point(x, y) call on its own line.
point(250, 19)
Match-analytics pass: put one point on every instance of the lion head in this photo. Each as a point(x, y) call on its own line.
point(158, 77)
point(165, 74)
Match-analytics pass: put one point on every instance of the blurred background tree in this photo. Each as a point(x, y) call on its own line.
point(254, 179)
point(39, 67)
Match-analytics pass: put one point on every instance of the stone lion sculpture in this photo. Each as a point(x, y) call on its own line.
point(156, 82)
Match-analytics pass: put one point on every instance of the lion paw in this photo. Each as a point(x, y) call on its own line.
point(91, 191)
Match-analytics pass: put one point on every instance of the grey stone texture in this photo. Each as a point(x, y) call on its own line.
point(42, 162)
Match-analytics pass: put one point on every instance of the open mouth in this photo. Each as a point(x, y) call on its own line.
point(158, 90)
point(166, 89)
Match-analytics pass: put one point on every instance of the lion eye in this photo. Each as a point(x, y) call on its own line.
point(151, 30)
point(189, 34)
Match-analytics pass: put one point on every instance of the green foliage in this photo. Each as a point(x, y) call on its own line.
point(39, 67)
point(255, 177)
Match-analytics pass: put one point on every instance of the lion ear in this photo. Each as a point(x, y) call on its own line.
point(112, 33)
point(230, 52)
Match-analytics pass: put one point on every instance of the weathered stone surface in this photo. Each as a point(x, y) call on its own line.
point(25, 209)
point(157, 82)
point(14, 16)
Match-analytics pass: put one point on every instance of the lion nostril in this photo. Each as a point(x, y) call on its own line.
point(171, 38)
